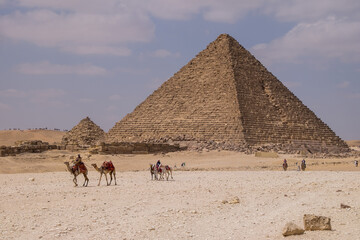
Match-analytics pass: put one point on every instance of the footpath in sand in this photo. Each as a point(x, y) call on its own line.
point(195, 205)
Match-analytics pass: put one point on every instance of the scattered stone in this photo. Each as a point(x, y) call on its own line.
point(235, 200)
point(292, 229)
point(31, 179)
point(313, 222)
point(344, 206)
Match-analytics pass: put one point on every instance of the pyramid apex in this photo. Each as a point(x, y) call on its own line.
point(223, 40)
point(226, 37)
point(86, 119)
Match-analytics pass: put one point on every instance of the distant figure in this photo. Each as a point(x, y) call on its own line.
point(356, 163)
point(183, 164)
point(158, 164)
point(303, 165)
point(285, 165)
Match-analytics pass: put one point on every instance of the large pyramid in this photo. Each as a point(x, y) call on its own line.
point(225, 95)
point(86, 133)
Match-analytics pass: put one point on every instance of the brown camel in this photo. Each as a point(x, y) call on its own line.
point(76, 170)
point(107, 167)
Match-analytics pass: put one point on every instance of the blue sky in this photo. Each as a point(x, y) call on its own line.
point(63, 60)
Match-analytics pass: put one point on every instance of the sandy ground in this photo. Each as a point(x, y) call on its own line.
point(38, 199)
point(9, 137)
point(52, 161)
point(188, 207)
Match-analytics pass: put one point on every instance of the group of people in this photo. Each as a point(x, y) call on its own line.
point(303, 165)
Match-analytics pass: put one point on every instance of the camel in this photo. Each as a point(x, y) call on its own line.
point(107, 167)
point(153, 172)
point(76, 170)
point(165, 170)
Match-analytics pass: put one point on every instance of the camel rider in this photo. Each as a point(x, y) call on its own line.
point(303, 162)
point(78, 162)
point(158, 164)
point(285, 162)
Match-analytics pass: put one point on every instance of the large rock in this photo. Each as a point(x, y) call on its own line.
point(313, 222)
point(292, 229)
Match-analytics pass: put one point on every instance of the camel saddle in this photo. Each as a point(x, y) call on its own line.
point(79, 166)
point(159, 169)
point(108, 165)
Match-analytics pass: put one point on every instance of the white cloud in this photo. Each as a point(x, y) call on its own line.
point(309, 10)
point(107, 27)
point(228, 11)
point(329, 38)
point(37, 96)
point(82, 31)
point(106, 50)
point(46, 68)
point(163, 53)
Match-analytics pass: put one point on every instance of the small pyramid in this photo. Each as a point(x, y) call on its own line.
point(225, 95)
point(83, 134)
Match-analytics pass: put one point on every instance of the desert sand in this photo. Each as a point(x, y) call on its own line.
point(9, 137)
point(192, 206)
point(217, 195)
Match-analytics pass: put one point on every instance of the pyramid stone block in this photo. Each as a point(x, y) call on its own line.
point(225, 95)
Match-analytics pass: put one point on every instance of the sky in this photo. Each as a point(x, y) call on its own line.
point(64, 60)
